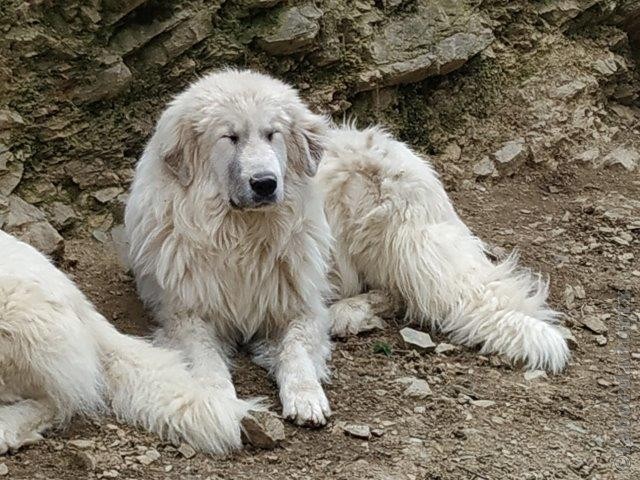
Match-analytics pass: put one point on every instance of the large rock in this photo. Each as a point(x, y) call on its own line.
point(11, 171)
point(263, 430)
point(104, 85)
point(175, 42)
point(295, 29)
point(437, 38)
point(29, 224)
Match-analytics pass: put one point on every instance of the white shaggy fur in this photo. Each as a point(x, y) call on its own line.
point(59, 357)
point(218, 268)
point(396, 230)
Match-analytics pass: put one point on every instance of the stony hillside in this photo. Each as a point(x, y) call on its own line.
point(487, 87)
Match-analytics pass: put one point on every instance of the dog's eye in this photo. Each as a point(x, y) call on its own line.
point(271, 134)
point(232, 138)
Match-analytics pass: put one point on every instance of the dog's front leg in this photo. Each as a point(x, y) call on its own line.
point(198, 342)
point(300, 367)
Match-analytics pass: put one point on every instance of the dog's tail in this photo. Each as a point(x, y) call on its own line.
point(445, 278)
point(152, 387)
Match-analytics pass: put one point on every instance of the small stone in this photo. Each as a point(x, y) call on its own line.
point(534, 375)
point(593, 323)
point(485, 168)
point(511, 155)
point(420, 409)
point(444, 348)
point(377, 432)
point(592, 155)
point(635, 356)
point(108, 194)
point(82, 444)
point(186, 450)
point(482, 403)
point(358, 431)
point(415, 338)
point(604, 383)
point(86, 460)
point(601, 340)
point(4, 470)
point(149, 457)
point(417, 387)
point(109, 474)
point(568, 336)
point(263, 430)
point(624, 157)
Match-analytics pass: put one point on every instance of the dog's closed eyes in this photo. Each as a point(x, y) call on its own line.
point(246, 146)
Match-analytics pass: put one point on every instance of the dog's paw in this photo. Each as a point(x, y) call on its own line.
point(13, 441)
point(352, 316)
point(305, 405)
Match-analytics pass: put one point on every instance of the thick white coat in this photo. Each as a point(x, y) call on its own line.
point(59, 357)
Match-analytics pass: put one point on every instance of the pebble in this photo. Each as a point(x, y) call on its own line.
point(444, 348)
point(109, 474)
point(263, 430)
point(534, 375)
point(4, 470)
point(601, 340)
point(186, 450)
point(149, 457)
point(377, 432)
point(594, 324)
point(417, 387)
point(415, 338)
point(82, 444)
point(635, 356)
point(358, 431)
point(482, 403)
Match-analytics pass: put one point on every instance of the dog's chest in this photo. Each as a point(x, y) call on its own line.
point(248, 286)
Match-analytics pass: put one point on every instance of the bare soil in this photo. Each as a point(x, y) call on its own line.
point(580, 424)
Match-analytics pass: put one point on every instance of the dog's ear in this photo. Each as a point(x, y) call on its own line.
point(308, 137)
point(179, 148)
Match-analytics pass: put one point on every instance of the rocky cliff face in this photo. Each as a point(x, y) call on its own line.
point(487, 87)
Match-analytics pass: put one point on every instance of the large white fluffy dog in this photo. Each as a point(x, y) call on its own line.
point(230, 244)
point(59, 357)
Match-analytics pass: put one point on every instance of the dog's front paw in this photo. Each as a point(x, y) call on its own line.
point(13, 441)
point(305, 405)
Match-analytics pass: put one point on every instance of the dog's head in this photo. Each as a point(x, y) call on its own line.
point(240, 135)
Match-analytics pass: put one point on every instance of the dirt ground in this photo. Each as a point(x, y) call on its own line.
point(580, 424)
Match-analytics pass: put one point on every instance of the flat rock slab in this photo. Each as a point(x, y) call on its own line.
point(593, 323)
point(358, 431)
point(416, 387)
point(263, 430)
point(534, 375)
point(416, 339)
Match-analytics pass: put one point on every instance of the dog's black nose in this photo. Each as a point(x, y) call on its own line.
point(264, 184)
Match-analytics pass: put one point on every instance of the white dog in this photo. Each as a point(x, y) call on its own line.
point(228, 239)
point(396, 231)
point(230, 244)
point(59, 357)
